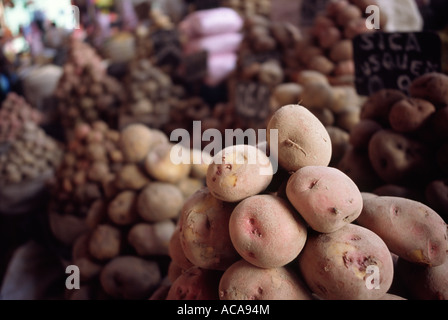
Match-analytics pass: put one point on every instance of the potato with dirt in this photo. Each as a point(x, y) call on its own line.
point(244, 281)
point(411, 229)
point(352, 263)
point(196, 284)
point(238, 172)
point(130, 278)
point(204, 232)
point(302, 138)
point(267, 231)
point(325, 197)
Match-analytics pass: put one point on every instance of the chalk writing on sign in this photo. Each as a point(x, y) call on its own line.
point(394, 60)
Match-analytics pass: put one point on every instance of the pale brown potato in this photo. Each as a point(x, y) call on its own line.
point(151, 239)
point(302, 138)
point(105, 242)
point(122, 209)
point(135, 142)
point(244, 281)
point(159, 201)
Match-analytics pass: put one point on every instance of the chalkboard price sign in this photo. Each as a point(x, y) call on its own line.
point(394, 60)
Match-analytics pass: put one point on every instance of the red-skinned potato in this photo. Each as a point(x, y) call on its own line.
point(377, 106)
point(204, 232)
point(348, 264)
point(424, 282)
point(432, 86)
point(411, 229)
point(362, 132)
point(397, 158)
point(325, 197)
point(195, 284)
point(267, 231)
point(244, 281)
point(408, 115)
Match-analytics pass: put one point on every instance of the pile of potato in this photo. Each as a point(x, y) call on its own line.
point(26, 151)
point(115, 205)
point(327, 47)
point(14, 113)
point(304, 231)
point(85, 92)
point(152, 95)
point(399, 146)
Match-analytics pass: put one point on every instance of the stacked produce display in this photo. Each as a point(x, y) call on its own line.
point(317, 236)
point(85, 92)
point(28, 155)
point(346, 199)
point(114, 207)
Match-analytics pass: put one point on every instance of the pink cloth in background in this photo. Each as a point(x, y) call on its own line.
point(220, 43)
point(220, 66)
point(211, 22)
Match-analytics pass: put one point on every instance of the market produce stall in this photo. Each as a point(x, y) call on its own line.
point(222, 150)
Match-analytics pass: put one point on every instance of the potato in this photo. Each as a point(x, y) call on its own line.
point(411, 229)
point(200, 160)
point(88, 269)
point(433, 87)
point(343, 98)
point(267, 231)
point(238, 172)
point(97, 213)
point(341, 51)
point(176, 252)
point(424, 282)
point(436, 194)
point(159, 166)
point(66, 228)
point(362, 132)
point(244, 281)
point(328, 37)
point(356, 164)
point(131, 177)
point(339, 142)
point(324, 115)
point(438, 123)
point(325, 197)
point(349, 118)
point(311, 76)
point(408, 115)
point(195, 284)
point(398, 159)
point(321, 64)
point(350, 12)
point(105, 242)
point(151, 239)
point(378, 105)
point(122, 209)
point(317, 95)
point(287, 93)
point(302, 139)
point(159, 201)
point(394, 190)
point(390, 297)
point(188, 186)
point(204, 232)
point(135, 142)
point(352, 263)
point(130, 278)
